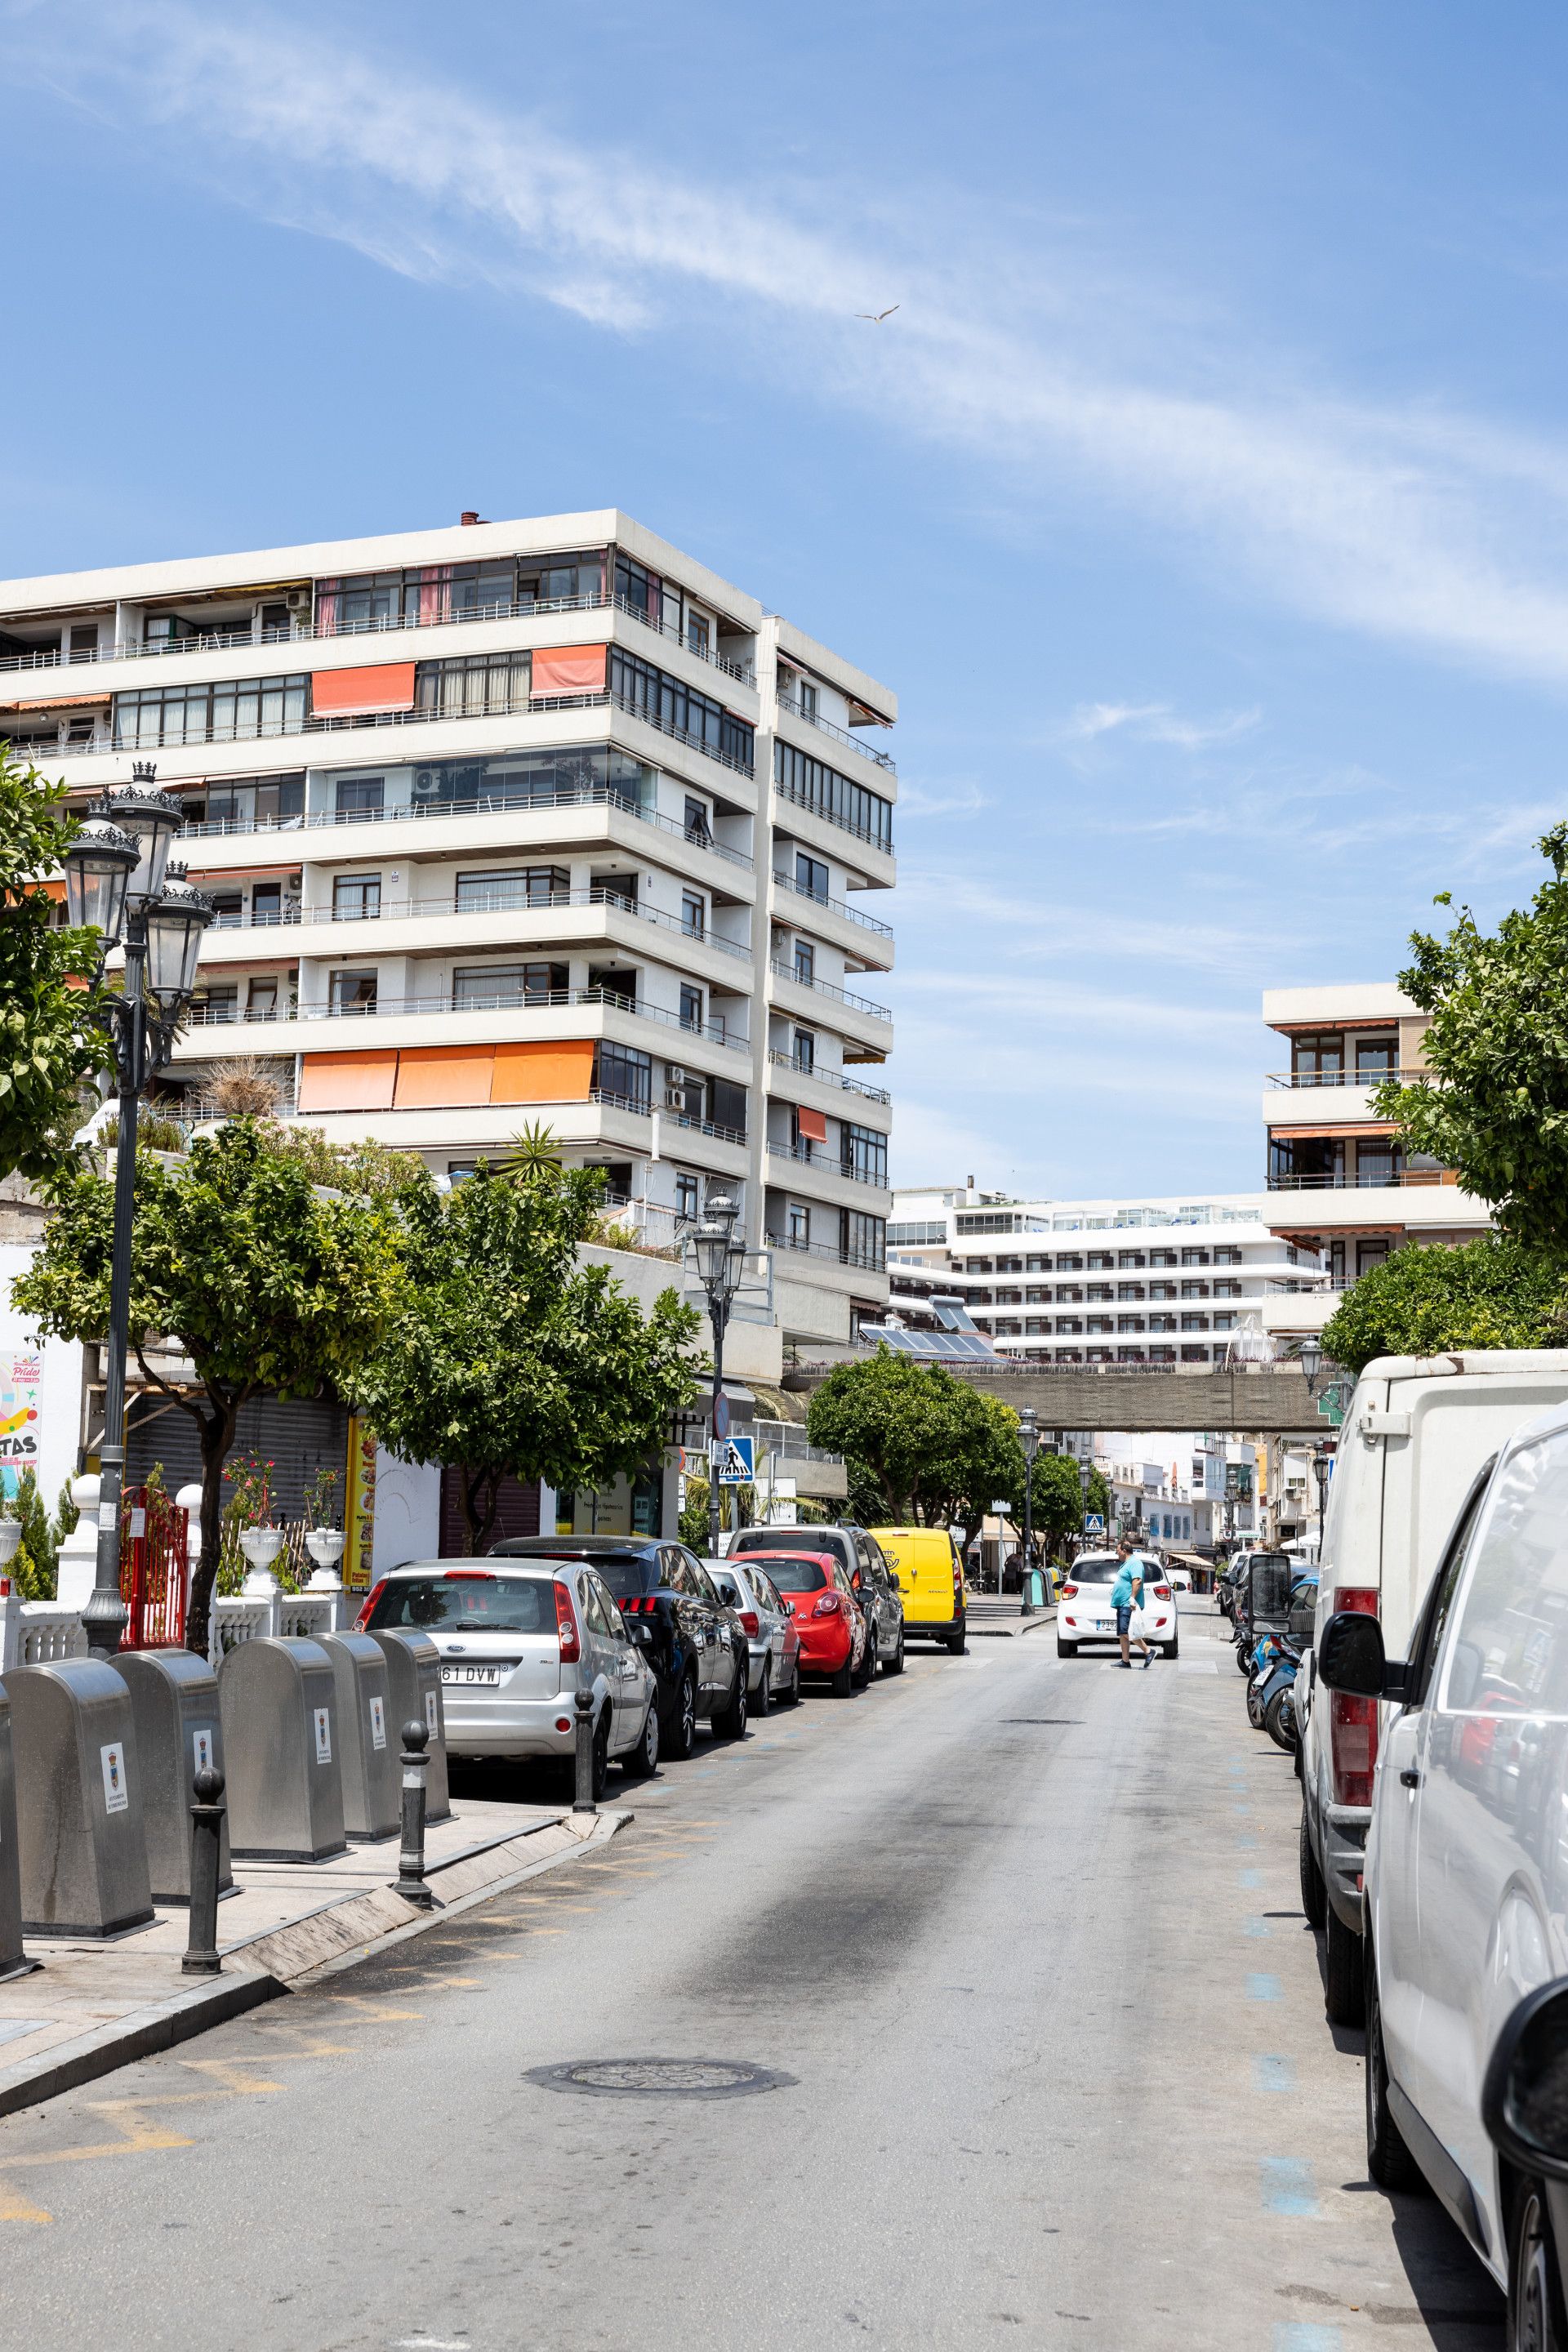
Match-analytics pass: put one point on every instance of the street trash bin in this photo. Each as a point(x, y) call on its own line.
point(277, 1706)
point(174, 1706)
point(13, 1961)
point(370, 1771)
point(80, 1842)
point(414, 1689)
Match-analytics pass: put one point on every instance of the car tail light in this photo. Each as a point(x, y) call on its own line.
point(828, 1606)
point(566, 1626)
point(562, 1723)
point(750, 1623)
point(1069, 1593)
point(1352, 1722)
point(360, 1622)
point(470, 1575)
point(1162, 1592)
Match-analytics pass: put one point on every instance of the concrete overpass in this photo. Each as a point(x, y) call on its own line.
point(1270, 1403)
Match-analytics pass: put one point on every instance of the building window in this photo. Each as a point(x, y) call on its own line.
point(1162, 1257)
point(1318, 1060)
point(1194, 1355)
point(1125, 1258)
point(805, 963)
point(1195, 1322)
point(799, 1224)
point(1098, 1323)
point(473, 685)
point(805, 1050)
point(356, 897)
point(805, 698)
point(492, 986)
point(1368, 1254)
point(1070, 1323)
point(263, 1001)
point(1129, 1355)
point(1227, 1286)
point(864, 1154)
point(698, 636)
point(1102, 1259)
point(1194, 1257)
point(352, 991)
point(525, 886)
point(812, 784)
point(459, 1170)
point(1069, 1290)
point(811, 877)
point(697, 825)
point(694, 915)
point(685, 1194)
point(1161, 1290)
point(1228, 1254)
point(210, 714)
point(1195, 1290)
point(622, 1075)
point(1130, 1322)
point(690, 1006)
point(1098, 1290)
point(862, 1239)
point(1162, 1322)
point(1224, 1322)
point(359, 798)
point(680, 711)
point(1129, 1291)
point(1009, 1299)
point(1376, 1058)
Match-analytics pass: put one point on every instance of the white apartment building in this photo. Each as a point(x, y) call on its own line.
point(507, 823)
point(1137, 1281)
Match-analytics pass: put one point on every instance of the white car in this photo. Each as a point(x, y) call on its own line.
point(1466, 1864)
point(1084, 1611)
point(1178, 1578)
point(518, 1639)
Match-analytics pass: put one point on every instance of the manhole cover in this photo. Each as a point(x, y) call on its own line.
point(690, 2078)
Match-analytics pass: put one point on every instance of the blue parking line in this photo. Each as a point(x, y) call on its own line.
point(1241, 1843)
point(1256, 1927)
point(1264, 1988)
point(1271, 2072)
point(1307, 2336)
point(1288, 2186)
point(1249, 1878)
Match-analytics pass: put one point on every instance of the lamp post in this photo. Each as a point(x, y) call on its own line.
point(1029, 1439)
point(118, 879)
point(1322, 1461)
point(1085, 1473)
point(721, 1254)
point(1310, 1355)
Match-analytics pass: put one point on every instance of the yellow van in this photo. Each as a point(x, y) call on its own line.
point(930, 1583)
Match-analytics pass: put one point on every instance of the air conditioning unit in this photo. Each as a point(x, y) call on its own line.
point(298, 600)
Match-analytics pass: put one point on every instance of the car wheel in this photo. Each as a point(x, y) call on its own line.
point(958, 1646)
point(895, 1664)
point(1173, 1648)
point(842, 1682)
point(1315, 1893)
point(790, 1698)
point(1345, 1995)
point(683, 1719)
point(1066, 1649)
point(1534, 2298)
point(638, 1762)
point(732, 1723)
point(765, 1698)
point(1388, 2160)
point(866, 1670)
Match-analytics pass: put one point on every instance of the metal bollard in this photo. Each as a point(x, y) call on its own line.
point(410, 1879)
point(584, 1801)
point(201, 1958)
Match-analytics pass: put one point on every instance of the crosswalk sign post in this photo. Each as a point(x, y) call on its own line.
point(736, 1460)
point(1094, 1522)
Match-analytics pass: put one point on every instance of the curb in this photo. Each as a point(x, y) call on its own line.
point(338, 1936)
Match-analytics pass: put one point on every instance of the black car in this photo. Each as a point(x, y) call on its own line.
point(692, 1640)
point(875, 1587)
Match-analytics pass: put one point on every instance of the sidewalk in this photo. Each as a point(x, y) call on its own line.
point(91, 2007)
point(1002, 1613)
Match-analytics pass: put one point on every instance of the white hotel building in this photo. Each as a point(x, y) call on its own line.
point(508, 824)
point(1098, 1282)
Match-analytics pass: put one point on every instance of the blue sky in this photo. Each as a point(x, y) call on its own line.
point(1206, 498)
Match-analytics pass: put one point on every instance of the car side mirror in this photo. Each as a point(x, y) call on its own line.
point(1524, 2097)
point(1350, 1658)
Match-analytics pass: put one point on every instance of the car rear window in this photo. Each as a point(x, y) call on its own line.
point(783, 1539)
point(797, 1575)
point(479, 1605)
point(1094, 1572)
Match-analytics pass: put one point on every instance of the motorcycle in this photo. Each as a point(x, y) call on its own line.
point(1276, 1688)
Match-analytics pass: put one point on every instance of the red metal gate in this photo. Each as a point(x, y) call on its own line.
point(153, 1548)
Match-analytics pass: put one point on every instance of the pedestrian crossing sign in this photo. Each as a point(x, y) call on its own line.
point(1093, 1523)
point(736, 1464)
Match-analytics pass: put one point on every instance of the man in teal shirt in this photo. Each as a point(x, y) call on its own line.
point(1127, 1594)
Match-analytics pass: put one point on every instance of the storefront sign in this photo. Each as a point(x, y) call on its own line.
point(359, 1518)
point(21, 1396)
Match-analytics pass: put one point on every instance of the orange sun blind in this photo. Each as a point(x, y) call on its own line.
point(543, 1073)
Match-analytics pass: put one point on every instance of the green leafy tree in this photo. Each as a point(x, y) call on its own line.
point(920, 1446)
point(509, 1357)
point(35, 1568)
point(1058, 1498)
point(1495, 1107)
point(1491, 1293)
point(47, 1051)
point(264, 1280)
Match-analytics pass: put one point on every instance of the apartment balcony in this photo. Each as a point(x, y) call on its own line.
point(557, 918)
point(859, 1266)
point(1309, 1216)
point(863, 852)
point(857, 1018)
point(864, 938)
point(839, 735)
point(815, 1172)
point(600, 1123)
point(823, 1089)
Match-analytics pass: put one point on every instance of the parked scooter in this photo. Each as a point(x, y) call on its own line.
point(1270, 1701)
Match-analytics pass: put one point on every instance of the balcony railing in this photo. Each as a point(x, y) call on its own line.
point(496, 903)
point(828, 1077)
point(1362, 1182)
point(835, 907)
point(839, 734)
point(869, 1261)
point(843, 824)
point(299, 633)
point(1294, 1078)
point(492, 803)
point(509, 706)
point(827, 988)
point(821, 1163)
point(208, 1014)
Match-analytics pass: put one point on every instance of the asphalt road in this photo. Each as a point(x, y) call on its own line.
point(1024, 1940)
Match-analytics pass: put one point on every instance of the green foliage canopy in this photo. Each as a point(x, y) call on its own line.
point(265, 1283)
point(920, 1445)
point(1495, 1107)
point(47, 1051)
point(506, 1356)
point(1491, 1293)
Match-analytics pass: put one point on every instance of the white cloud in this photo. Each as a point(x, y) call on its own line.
point(1156, 722)
point(1405, 523)
point(957, 800)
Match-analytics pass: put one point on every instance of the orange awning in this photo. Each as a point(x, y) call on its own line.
point(448, 1076)
point(60, 702)
point(811, 1125)
point(349, 693)
point(1344, 1132)
point(348, 1081)
point(543, 1073)
point(568, 669)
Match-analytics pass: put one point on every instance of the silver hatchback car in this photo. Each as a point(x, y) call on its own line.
point(772, 1634)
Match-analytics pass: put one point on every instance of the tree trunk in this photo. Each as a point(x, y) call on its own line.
point(480, 1491)
point(217, 1427)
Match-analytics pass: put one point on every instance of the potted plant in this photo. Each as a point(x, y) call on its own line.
point(251, 1512)
point(324, 1540)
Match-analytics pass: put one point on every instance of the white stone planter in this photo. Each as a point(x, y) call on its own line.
point(325, 1545)
point(262, 1546)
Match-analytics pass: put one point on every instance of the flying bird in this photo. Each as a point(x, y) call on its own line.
point(877, 317)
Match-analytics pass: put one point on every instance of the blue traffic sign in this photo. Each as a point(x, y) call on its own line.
point(1094, 1522)
point(736, 1465)
point(720, 1415)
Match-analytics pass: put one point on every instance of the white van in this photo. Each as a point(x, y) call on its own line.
point(1466, 1864)
point(1417, 1431)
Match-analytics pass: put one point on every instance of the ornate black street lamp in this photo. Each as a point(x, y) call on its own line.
point(720, 1255)
point(1029, 1439)
point(118, 879)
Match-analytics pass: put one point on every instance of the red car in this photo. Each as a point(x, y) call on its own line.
point(827, 1616)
